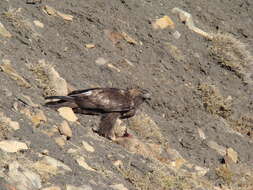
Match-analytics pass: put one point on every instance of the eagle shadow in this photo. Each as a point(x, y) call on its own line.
point(109, 103)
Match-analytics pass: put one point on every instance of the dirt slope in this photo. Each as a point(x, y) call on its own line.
point(195, 133)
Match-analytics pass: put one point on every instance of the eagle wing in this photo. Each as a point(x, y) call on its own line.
point(103, 99)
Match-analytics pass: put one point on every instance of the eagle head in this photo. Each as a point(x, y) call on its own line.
point(139, 95)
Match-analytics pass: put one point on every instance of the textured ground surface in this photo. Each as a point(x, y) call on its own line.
point(202, 93)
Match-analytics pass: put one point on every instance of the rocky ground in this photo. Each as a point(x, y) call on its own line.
point(195, 57)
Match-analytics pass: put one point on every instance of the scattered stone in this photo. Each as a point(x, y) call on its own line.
point(65, 129)
point(27, 100)
point(220, 149)
point(176, 35)
point(82, 187)
point(88, 147)
point(22, 177)
point(72, 151)
point(81, 162)
point(49, 165)
point(67, 113)
point(113, 67)
point(12, 146)
point(129, 39)
point(118, 164)
point(38, 23)
point(61, 141)
point(45, 152)
point(38, 117)
point(7, 121)
point(118, 187)
point(101, 61)
point(52, 188)
point(115, 37)
point(232, 155)
point(178, 163)
point(52, 12)
point(90, 46)
point(201, 134)
point(163, 23)
point(4, 32)
point(201, 171)
point(186, 18)
point(8, 69)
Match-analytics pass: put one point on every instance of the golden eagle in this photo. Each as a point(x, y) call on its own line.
point(110, 103)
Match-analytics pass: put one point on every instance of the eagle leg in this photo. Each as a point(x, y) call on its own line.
point(106, 126)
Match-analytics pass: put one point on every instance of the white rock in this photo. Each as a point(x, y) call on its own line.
point(56, 163)
point(52, 188)
point(232, 155)
point(38, 23)
point(220, 149)
point(12, 146)
point(65, 129)
point(118, 187)
point(101, 61)
point(23, 178)
point(4, 32)
point(88, 147)
point(81, 162)
point(83, 187)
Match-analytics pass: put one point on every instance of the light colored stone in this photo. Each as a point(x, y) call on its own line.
point(12, 146)
point(89, 46)
point(38, 23)
point(176, 34)
point(118, 163)
point(65, 129)
point(61, 141)
point(23, 178)
point(82, 187)
point(52, 188)
point(201, 134)
point(201, 171)
point(118, 187)
point(163, 23)
point(7, 121)
point(220, 149)
point(232, 155)
point(67, 113)
point(187, 18)
point(88, 147)
point(4, 32)
point(56, 163)
point(111, 66)
point(81, 162)
point(38, 117)
point(52, 12)
point(101, 61)
point(12, 73)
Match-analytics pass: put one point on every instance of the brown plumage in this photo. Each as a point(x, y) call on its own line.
point(110, 103)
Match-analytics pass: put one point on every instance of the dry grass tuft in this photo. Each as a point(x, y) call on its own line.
point(214, 102)
point(225, 173)
point(155, 180)
point(232, 54)
point(146, 128)
point(244, 125)
point(49, 79)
